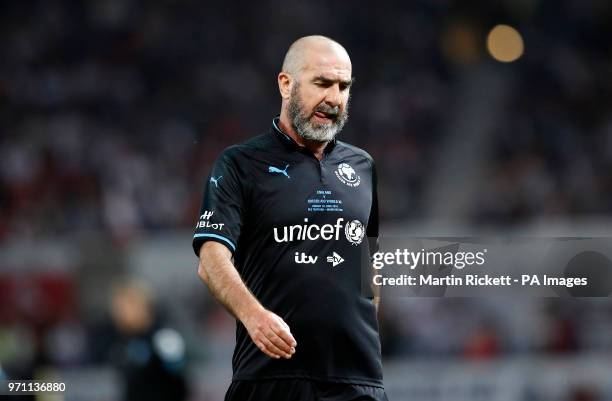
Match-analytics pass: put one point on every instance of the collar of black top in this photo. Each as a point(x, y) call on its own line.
point(289, 142)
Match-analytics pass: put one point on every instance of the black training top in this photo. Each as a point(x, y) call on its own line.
point(297, 227)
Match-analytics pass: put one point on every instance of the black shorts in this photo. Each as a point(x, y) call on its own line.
point(301, 390)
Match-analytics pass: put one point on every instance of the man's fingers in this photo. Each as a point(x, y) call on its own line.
point(285, 335)
point(273, 349)
point(272, 335)
point(280, 343)
point(263, 349)
point(283, 323)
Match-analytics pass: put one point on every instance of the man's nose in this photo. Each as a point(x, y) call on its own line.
point(333, 97)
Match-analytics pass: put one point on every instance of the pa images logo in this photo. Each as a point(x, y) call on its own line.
point(347, 175)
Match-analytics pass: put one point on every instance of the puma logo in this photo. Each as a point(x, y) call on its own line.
point(216, 180)
point(277, 170)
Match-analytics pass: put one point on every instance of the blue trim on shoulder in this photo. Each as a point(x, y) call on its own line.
point(222, 238)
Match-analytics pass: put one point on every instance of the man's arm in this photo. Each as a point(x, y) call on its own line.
point(267, 330)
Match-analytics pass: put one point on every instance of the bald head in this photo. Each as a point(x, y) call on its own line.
point(310, 51)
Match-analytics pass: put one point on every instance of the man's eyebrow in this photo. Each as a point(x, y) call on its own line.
point(327, 80)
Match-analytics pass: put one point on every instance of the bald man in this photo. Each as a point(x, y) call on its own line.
point(285, 218)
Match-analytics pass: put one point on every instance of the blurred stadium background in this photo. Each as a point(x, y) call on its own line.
point(112, 112)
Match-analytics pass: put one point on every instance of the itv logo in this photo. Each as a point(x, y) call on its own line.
point(301, 258)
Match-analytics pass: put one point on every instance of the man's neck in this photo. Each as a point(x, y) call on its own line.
point(315, 147)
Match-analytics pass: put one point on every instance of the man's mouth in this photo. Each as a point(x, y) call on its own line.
point(325, 116)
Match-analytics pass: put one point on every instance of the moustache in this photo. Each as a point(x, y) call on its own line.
point(331, 112)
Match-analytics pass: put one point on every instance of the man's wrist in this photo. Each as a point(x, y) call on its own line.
point(253, 309)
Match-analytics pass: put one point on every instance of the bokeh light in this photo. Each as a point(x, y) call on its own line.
point(505, 43)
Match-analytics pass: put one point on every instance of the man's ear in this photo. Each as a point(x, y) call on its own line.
point(285, 84)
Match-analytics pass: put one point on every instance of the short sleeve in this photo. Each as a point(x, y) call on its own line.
point(222, 208)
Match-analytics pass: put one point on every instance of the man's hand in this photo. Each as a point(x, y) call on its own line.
point(267, 330)
point(270, 333)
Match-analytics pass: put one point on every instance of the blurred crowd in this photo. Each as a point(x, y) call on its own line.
point(552, 154)
point(112, 112)
point(479, 329)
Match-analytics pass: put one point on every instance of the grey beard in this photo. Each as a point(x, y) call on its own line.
point(309, 130)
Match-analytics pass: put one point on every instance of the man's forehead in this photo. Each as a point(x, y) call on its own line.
point(327, 64)
point(329, 74)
